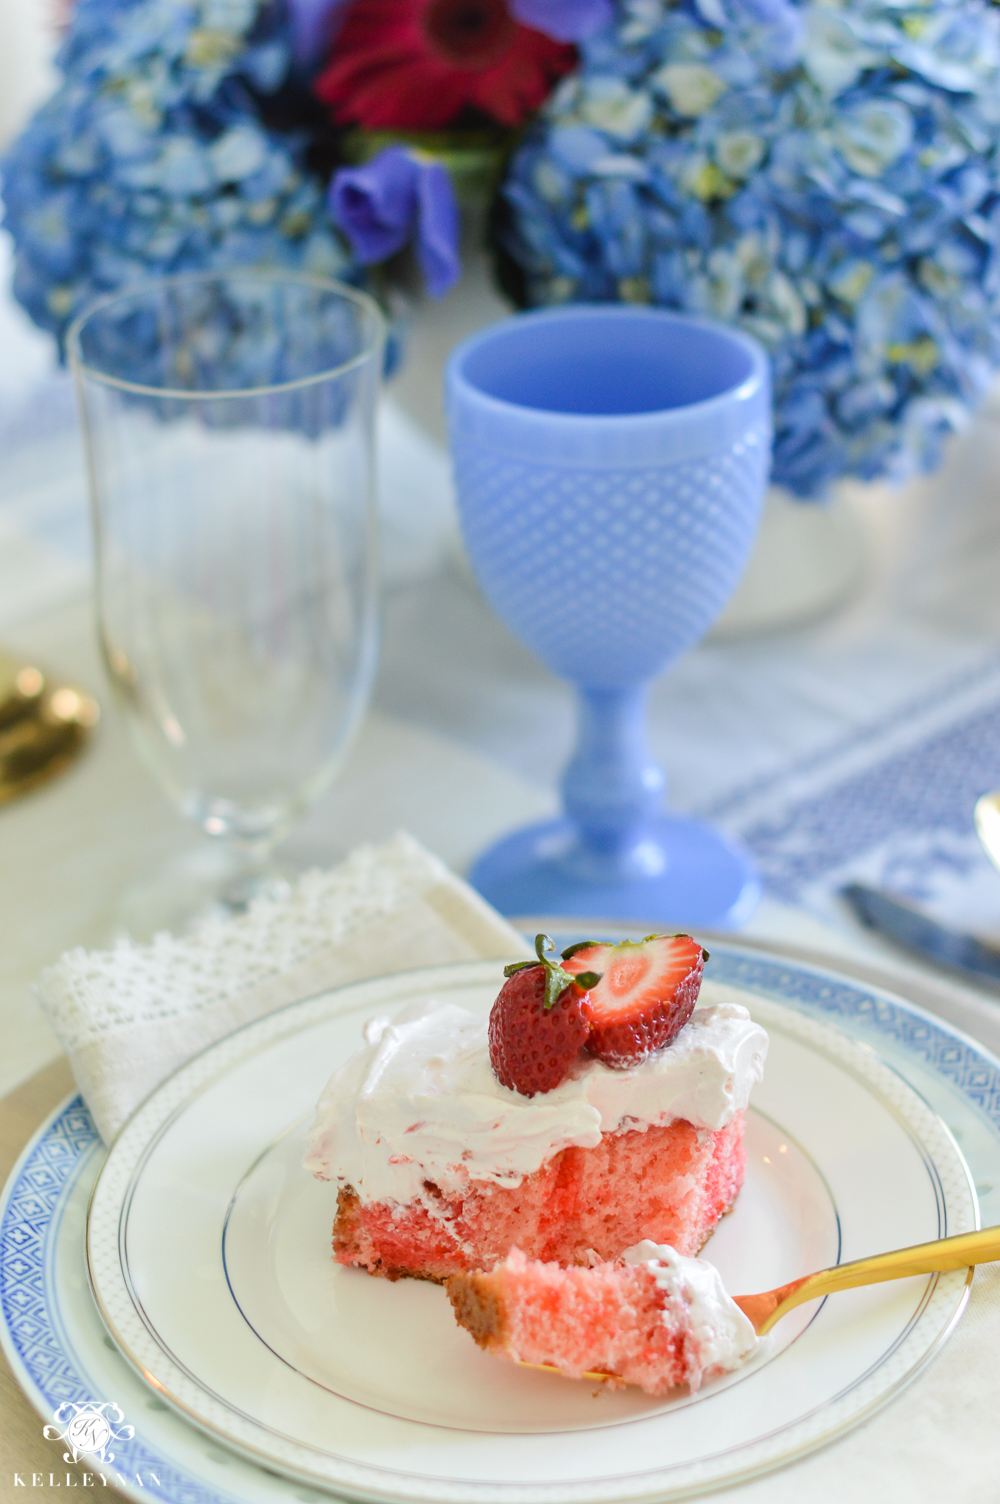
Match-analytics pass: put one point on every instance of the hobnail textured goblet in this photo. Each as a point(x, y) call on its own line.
point(610, 463)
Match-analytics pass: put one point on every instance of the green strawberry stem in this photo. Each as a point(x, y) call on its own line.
point(556, 978)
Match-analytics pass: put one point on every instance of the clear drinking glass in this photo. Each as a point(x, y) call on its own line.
point(228, 423)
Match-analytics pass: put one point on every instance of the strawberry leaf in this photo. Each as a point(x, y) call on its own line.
point(587, 979)
point(515, 966)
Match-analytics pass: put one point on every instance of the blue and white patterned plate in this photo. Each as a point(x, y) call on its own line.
point(61, 1353)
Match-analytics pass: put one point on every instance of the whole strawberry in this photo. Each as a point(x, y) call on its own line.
point(646, 994)
point(538, 1024)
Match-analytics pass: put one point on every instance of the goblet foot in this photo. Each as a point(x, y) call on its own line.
point(694, 876)
point(178, 895)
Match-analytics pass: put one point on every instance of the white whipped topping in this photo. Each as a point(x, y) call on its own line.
point(419, 1101)
point(722, 1336)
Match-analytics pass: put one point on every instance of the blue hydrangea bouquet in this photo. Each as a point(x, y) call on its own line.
point(824, 175)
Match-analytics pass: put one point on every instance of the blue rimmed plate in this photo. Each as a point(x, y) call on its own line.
point(60, 1351)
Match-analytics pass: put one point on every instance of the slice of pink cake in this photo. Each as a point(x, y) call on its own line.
point(442, 1168)
point(651, 1318)
point(671, 1183)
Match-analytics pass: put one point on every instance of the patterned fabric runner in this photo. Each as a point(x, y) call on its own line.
point(891, 806)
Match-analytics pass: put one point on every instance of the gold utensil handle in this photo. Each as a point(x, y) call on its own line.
point(43, 727)
point(957, 1252)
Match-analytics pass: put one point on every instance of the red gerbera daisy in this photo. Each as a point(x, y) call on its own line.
point(417, 64)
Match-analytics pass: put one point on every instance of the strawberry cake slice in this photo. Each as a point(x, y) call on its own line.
point(651, 1318)
point(594, 1108)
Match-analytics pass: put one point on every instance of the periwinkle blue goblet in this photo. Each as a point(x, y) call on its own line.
point(610, 463)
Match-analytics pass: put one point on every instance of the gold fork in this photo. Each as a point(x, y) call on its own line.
point(958, 1252)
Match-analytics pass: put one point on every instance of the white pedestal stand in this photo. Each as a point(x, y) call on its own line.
point(808, 560)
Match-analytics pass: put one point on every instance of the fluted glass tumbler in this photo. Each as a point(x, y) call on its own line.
point(610, 464)
point(228, 424)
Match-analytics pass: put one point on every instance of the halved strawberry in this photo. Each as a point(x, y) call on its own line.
point(537, 1024)
point(645, 996)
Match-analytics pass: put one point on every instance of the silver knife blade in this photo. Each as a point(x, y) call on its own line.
point(926, 937)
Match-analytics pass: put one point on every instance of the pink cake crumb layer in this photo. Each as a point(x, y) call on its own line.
point(611, 1320)
point(670, 1184)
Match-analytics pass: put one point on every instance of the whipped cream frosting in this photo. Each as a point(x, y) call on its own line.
point(722, 1336)
point(419, 1100)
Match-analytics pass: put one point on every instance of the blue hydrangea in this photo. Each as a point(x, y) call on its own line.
point(155, 156)
point(825, 176)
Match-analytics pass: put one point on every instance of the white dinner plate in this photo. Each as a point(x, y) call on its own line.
point(208, 1249)
point(60, 1351)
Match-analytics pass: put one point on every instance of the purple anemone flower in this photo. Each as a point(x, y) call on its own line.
point(313, 25)
point(398, 197)
point(563, 20)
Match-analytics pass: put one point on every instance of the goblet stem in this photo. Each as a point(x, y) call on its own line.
point(614, 853)
point(218, 877)
point(254, 876)
point(612, 789)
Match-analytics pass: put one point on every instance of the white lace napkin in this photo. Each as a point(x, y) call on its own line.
point(128, 1017)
